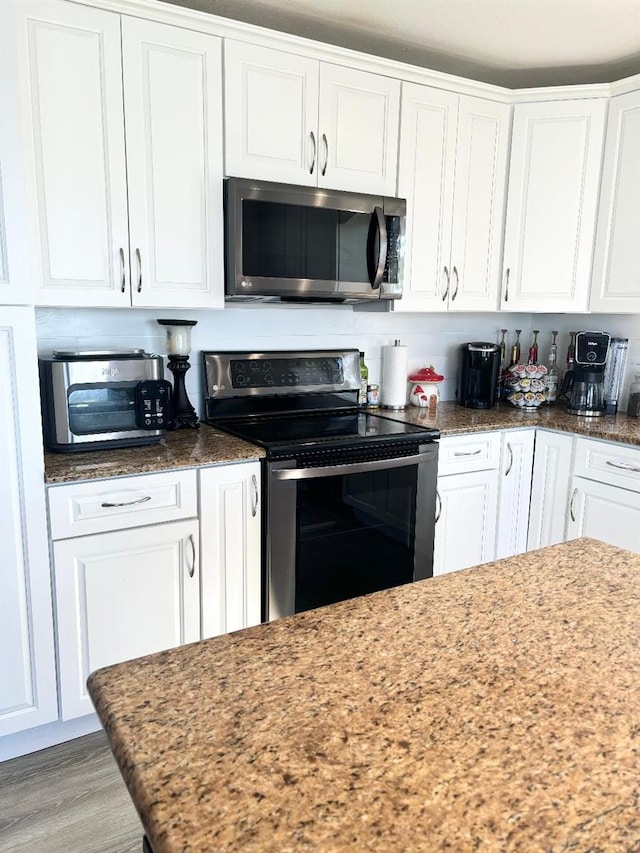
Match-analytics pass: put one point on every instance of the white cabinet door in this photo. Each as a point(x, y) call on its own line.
point(604, 512)
point(616, 264)
point(230, 512)
point(479, 202)
point(121, 595)
point(426, 173)
point(554, 181)
point(76, 153)
point(550, 489)
point(293, 119)
point(27, 666)
point(452, 172)
point(173, 109)
point(15, 280)
point(358, 130)
point(271, 114)
point(515, 492)
point(466, 515)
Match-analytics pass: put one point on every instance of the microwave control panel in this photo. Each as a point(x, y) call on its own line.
point(153, 398)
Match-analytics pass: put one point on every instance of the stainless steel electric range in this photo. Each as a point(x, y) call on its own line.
point(348, 495)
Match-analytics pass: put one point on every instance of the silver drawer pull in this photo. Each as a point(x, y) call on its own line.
point(192, 567)
point(467, 453)
point(141, 500)
point(254, 502)
point(439, 510)
point(573, 497)
point(510, 465)
point(624, 466)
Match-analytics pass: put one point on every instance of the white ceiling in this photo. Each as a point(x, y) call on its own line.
point(511, 43)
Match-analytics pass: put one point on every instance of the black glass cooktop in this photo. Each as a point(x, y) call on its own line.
point(309, 430)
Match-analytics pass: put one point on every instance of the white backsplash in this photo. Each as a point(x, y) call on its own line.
point(431, 338)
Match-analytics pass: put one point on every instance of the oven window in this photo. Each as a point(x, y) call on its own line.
point(96, 408)
point(355, 535)
point(294, 241)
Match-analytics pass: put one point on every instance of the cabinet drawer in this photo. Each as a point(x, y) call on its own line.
point(462, 453)
point(96, 507)
point(616, 464)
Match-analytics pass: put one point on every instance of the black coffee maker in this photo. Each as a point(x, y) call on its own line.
point(478, 375)
point(585, 383)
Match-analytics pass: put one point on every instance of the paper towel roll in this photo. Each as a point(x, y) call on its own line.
point(394, 377)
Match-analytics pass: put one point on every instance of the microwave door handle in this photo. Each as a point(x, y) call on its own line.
point(377, 218)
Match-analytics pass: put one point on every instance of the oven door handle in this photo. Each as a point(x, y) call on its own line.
point(354, 468)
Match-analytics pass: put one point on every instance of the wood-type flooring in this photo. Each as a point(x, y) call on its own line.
point(67, 799)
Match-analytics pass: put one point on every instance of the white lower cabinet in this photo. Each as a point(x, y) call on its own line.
point(230, 515)
point(515, 492)
point(605, 494)
point(552, 465)
point(466, 502)
point(120, 595)
point(27, 663)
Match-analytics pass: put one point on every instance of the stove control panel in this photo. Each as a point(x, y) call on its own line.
point(238, 374)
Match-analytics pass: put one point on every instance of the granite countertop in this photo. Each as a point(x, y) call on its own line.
point(207, 446)
point(184, 448)
point(493, 708)
point(452, 419)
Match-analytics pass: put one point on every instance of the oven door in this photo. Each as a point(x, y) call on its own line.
point(333, 532)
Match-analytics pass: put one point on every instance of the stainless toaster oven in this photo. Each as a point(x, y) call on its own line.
point(96, 399)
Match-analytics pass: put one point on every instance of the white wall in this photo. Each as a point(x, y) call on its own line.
point(431, 338)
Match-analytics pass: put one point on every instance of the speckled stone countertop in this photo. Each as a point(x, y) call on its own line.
point(185, 448)
point(206, 446)
point(497, 708)
point(452, 419)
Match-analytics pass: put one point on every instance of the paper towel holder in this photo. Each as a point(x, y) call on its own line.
point(395, 401)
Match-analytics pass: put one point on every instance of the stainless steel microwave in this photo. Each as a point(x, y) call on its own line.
point(303, 244)
point(92, 400)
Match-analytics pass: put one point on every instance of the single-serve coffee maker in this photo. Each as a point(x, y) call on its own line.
point(585, 382)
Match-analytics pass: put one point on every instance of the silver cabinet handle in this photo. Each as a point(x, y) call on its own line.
point(315, 151)
point(446, 291)
point(192, 567)
point(354, 468)
point(439, 510)
point(573, 497)
point(123, 280)
point(510, 465)
point(506, 289)
point(326, 154)
point(624, 466)
point(254, 502)
point(139, 259)
point(455, 292)
point(467, 452)
point(142, 500)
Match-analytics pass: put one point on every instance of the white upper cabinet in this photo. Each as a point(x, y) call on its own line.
point(452, 172)
point(358, 130)
point(300, 121)
point(77, 155)
point(554, 181)
point(160, 243)
point(15, 284)
point(616, 264)
point(173, 109)
point(271, 114)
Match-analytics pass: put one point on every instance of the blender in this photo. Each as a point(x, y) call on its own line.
point(585, 381)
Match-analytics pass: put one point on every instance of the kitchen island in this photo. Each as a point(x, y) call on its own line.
point(493, 708)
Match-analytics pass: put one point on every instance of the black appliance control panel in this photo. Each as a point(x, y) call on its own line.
point(152, 401)
point(285, 372)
